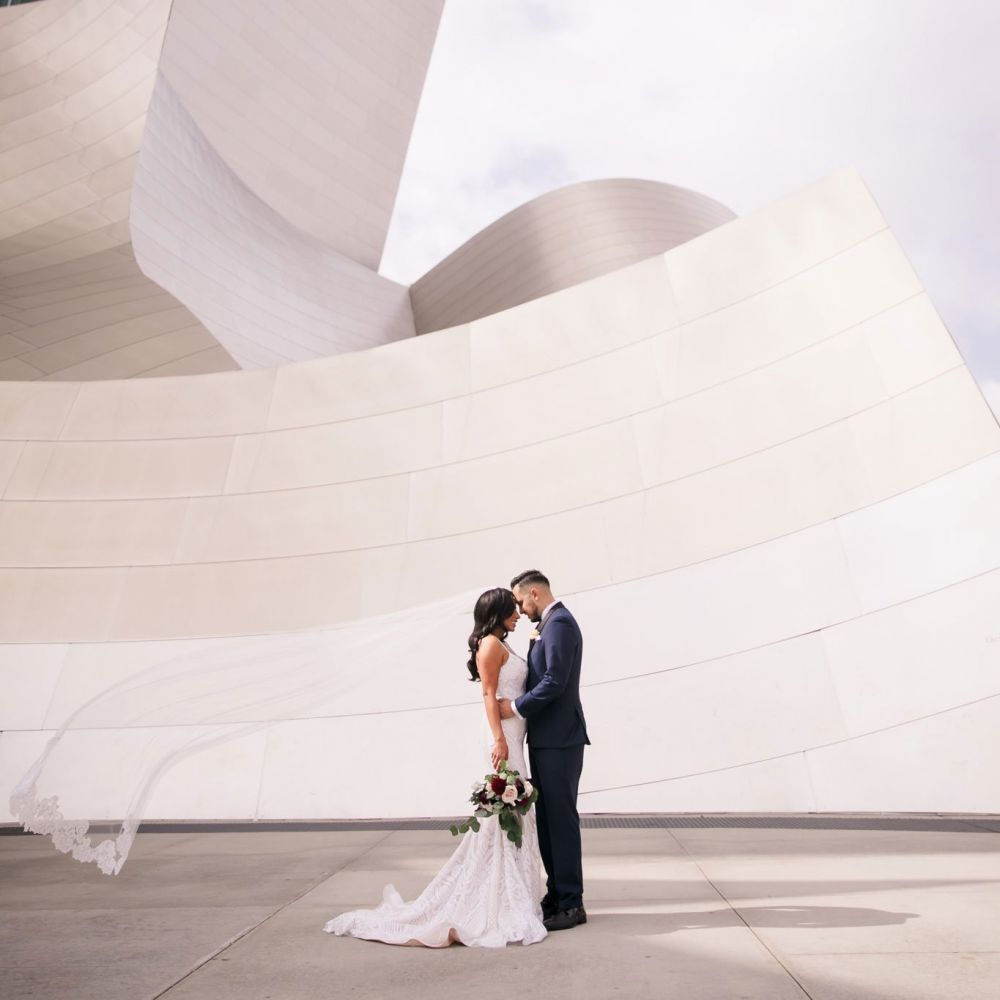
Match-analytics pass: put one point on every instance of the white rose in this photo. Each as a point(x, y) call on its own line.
point(528, 789)
point(509, 794)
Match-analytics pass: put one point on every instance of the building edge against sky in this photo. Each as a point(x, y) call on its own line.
point(764, 480)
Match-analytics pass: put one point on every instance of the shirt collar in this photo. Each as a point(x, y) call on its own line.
point(545, 613)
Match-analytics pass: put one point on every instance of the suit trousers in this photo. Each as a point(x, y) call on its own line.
point(556, 772)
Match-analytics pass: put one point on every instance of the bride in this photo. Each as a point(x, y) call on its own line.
point(488, 892)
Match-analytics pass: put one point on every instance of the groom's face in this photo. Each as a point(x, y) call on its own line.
point(527, 602)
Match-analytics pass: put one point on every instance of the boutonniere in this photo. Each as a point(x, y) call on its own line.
point(534, 634)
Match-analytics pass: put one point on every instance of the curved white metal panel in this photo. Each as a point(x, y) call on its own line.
point(558, 240)
point(310, 104)
point(695, 465)
point(269, 230)
point(270, 292)
point(76, 83)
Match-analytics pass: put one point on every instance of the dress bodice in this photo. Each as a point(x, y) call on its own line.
point(513, 678)
point(511, 684)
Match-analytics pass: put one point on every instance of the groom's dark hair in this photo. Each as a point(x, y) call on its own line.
point(529, 577)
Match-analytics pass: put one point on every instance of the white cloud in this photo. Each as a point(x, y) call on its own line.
point(743, 101)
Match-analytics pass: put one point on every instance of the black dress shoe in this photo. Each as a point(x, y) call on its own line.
point(549, 909)
point(565, 919)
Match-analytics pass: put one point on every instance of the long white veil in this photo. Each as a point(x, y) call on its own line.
point(109, 754)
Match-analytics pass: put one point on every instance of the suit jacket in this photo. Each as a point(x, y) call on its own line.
point(551, 705)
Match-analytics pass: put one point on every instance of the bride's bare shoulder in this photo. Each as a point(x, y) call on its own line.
point(492, 647)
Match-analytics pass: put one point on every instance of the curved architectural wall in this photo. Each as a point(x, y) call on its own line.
point(100, 317)
point(558, 240)
point(268, 291)
point(76, 81)
point(261, 240)
point(311, 104)
point(269, 168)
point(757, 470)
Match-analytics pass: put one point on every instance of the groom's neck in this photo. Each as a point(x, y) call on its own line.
point(542, 608)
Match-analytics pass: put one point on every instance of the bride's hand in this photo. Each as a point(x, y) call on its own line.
point(500, 751)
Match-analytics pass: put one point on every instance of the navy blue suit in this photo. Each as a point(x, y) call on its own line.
point(557, 734)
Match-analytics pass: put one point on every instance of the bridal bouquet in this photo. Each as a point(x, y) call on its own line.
point(505, 795)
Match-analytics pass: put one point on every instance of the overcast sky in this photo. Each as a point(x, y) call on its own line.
point(744, 100)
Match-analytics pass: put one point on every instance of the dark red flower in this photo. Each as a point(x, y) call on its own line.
point(498, 785)
point(482, 798)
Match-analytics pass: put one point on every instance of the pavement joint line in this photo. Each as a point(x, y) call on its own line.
point(921, 951)
point(226, 945)
point(788, 972)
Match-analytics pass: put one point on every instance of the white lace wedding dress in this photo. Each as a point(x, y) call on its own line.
point(488, 893)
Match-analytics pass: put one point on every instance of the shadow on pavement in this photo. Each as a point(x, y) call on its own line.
point(756, 916)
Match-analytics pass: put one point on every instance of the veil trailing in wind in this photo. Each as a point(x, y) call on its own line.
point(110, 753)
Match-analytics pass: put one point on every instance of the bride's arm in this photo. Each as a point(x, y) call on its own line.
point(489, 660)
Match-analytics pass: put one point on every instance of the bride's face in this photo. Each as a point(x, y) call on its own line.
point(511, 623)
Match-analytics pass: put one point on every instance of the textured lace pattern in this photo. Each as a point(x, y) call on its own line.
point(69, 836)
point(488, 893)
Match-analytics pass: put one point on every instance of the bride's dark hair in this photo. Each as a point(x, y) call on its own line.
point(492, 609)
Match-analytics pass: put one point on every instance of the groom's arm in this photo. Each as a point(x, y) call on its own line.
point(561, 643)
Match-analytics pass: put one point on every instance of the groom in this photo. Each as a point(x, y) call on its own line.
point(557, 734)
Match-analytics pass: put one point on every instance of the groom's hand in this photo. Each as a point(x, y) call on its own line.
point(506, 712)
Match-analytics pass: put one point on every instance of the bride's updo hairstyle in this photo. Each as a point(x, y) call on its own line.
point(492, 609)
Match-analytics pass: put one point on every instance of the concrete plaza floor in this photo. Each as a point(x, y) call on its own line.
point(726, 913)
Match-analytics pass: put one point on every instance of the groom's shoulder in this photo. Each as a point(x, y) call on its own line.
point(562, 613)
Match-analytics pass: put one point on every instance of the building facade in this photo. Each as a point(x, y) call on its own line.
point(757, 467)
